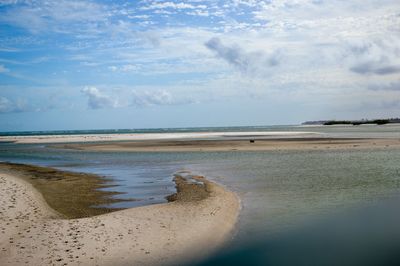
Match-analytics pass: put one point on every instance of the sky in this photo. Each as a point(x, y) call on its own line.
point(152, 64)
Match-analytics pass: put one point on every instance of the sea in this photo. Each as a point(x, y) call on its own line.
point(278, 189)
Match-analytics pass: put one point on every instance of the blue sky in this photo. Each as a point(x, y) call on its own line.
point(135, 64)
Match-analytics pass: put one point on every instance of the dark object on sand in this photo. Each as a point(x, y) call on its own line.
point(252, 141)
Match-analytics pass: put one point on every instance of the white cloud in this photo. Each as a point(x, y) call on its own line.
point(3, 69)
point(132, 98)
point(113, 68)
point(124, 68)
point(172, 5)
point(247, 62)
point(145, 98)
point(58, 16)
point(5, 105)
point(140, 16)
point(98, 100)
point(8, 106)
point(9, 2)
point(198, 12)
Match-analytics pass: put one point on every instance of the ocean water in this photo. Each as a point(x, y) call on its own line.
point(147, 130)
point(278, 189)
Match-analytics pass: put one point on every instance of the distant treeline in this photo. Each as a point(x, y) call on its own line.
point(353, 122)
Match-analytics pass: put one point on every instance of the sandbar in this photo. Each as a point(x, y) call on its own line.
point(194, 225)
point(249, 144)
point(149, 136)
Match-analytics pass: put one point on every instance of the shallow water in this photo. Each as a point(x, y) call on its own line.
point(279, 189)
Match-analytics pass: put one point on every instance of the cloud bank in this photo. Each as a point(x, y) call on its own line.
point(379, 57)
point(98, 100)
point(131, 98)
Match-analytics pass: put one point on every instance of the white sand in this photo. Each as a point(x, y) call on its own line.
point(149, 136)
point(31, 233)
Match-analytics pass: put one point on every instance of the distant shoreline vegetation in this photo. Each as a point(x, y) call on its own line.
point(353, 122)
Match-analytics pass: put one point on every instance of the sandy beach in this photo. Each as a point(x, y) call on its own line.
point(193, 226)
point(149, 136)
point(313, 143)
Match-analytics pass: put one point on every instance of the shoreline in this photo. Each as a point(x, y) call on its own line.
point(185, 230)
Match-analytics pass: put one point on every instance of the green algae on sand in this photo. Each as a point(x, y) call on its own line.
point(71, 194)
point(190, 189)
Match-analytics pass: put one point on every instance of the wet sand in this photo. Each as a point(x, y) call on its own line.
point(259, 144)
point(200, 219)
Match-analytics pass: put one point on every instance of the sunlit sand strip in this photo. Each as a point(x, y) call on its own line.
point(175, 232)
point(149, 136)
point(246, 144)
